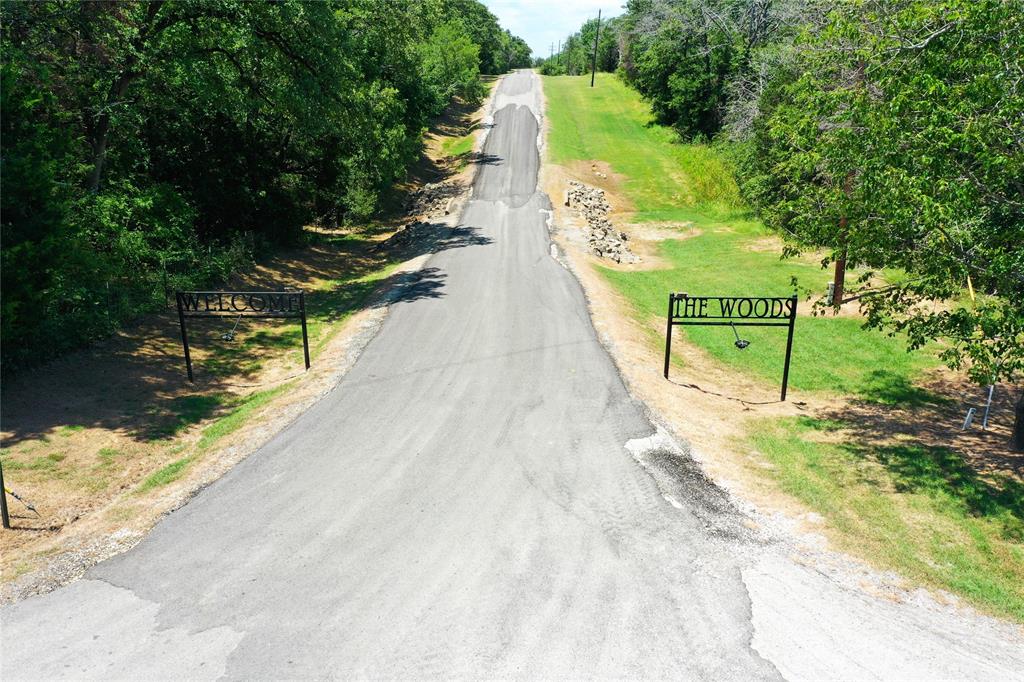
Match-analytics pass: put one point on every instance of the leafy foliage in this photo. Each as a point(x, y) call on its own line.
point(154, 145)
point(451, 65)
point(904, 119)
point(575, 54)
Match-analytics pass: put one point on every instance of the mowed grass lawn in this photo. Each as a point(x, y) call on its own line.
point(691, 186)
point(918, 510)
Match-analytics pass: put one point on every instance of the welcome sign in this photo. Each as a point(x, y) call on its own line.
point(246, 303)
point(276, 304)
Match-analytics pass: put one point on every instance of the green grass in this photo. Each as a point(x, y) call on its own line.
point(167, 474)
point(457, 146)
point(921, 511)
point(689, 185)
point(664, 180)
point(108, 457)
point(829, 353)
point(46, 463)
point(239, 411)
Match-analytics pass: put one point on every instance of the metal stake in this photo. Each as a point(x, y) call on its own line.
point(789, 347)
point(988, 406)
point(3, 500)
point(184, 337)
point(305, 337)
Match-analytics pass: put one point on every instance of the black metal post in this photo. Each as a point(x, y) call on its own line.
point(3, 500)
point(789, 347)
point(184, 337)
point(668, 334)
point(593, 61)
point(305, 337)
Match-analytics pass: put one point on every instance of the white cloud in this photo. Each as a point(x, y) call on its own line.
point(545, 22)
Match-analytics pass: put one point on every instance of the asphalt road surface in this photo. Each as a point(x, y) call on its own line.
point(463, 504)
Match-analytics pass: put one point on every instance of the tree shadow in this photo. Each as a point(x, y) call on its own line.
point(885, 387)
point(483, 159)
point(423, 237)
point(413, 286)
point(916, 434)
point(134, 382)
point(942, 472)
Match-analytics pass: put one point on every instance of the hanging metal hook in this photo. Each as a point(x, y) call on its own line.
point(230, 335)
point(740, 343)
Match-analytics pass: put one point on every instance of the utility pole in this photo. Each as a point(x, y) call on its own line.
point(559, 53)
point(593, 62)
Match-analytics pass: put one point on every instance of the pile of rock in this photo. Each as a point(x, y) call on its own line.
point(408, 233)
point(432, 199)
point(602, 237)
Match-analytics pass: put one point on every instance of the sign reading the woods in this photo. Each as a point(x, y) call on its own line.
point(732, 311)
point(238, 304)
point(731, 308)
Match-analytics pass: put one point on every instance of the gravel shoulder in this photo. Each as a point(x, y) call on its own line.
point(816, 613)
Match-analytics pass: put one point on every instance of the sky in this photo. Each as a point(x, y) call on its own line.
point(543, 22)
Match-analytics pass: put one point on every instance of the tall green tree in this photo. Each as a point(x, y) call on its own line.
point(897, 142)
point(451, 65)
point(152, 145)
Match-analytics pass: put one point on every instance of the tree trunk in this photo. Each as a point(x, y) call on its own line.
point(839, 281)
point(102, 133)
point(1017, 439)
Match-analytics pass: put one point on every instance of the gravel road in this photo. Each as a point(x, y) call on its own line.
point(464, 504)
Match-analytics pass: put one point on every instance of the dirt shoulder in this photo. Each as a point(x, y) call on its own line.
point(715, 409)
point(711, 405)
point(105, 441)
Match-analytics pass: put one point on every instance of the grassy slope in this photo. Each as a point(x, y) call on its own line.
point(918, 510)
point(457, 146)
point(329, 305)
point(690, 185)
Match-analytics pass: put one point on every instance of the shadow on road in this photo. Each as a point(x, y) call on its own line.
point(482, 159)
point(414, 286)
point(133, 383)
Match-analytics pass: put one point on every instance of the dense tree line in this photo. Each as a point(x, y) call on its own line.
point(887, 133)
point(161, 144)
point(575, 54)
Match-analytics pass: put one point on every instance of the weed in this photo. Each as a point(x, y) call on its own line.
point(240, 411)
